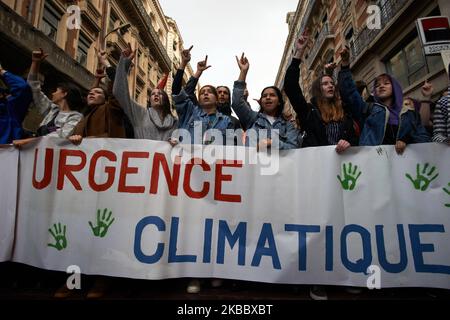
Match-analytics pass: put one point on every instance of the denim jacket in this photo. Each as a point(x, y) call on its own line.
point(192, 116)
point(410, 129)
point(374, 117)
point(288, 135)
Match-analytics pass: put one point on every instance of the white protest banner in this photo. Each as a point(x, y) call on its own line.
point(9, 159)
point(124, 208)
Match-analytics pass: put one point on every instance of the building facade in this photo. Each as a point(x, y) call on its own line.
point(393, 47)
point(26, 25)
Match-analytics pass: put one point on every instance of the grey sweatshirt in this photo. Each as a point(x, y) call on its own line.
point(65, 121)
point(146, 121)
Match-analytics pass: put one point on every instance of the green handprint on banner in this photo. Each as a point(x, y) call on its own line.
point(349, 176)
point(423, 180)
point(447, 191)
point(59, 235)
point(103, 223)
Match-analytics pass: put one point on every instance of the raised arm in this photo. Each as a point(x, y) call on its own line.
point(291, 82)
point(178, 79)
point(121, 92)
point(184, 104)
point(245, 114)
point(41, 101)
point(347, 88)
point(102, 64)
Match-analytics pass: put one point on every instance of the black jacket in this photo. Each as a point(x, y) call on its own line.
point(309, 116)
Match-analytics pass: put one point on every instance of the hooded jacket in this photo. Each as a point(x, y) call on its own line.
point(375, 117)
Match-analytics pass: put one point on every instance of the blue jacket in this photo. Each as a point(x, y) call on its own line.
point(14, 108)
point(192, 116)
point(374, 117)
point(410, 128)
point(288, 134)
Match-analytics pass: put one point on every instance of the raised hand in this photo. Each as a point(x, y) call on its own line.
point(128, 52)
point(329, 68)
point(349, 177)
point(103, 223)
point(100, 73)
point(345, 56)
point(243, 63)
point(424, 178)
point(102, 57)
point(38, 55)
point(185, 57)
point(59, 234)
point(427, 89)
point(300, 44)
point(203, 65)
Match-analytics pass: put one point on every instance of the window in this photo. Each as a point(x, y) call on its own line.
point(137, 95)
point(175, 46)
point(350, 41)
point(409, 64)
point(112, 21)
point(50, 21)
point(149, 70)
point(139, 58)
point(83, 49)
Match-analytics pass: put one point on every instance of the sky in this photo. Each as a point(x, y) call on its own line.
point(226, 28)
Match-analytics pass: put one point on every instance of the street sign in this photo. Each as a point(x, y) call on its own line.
point(434, 33)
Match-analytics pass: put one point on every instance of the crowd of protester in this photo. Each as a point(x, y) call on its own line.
point(341, 112)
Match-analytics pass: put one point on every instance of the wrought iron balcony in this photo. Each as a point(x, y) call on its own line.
point(389, 10)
